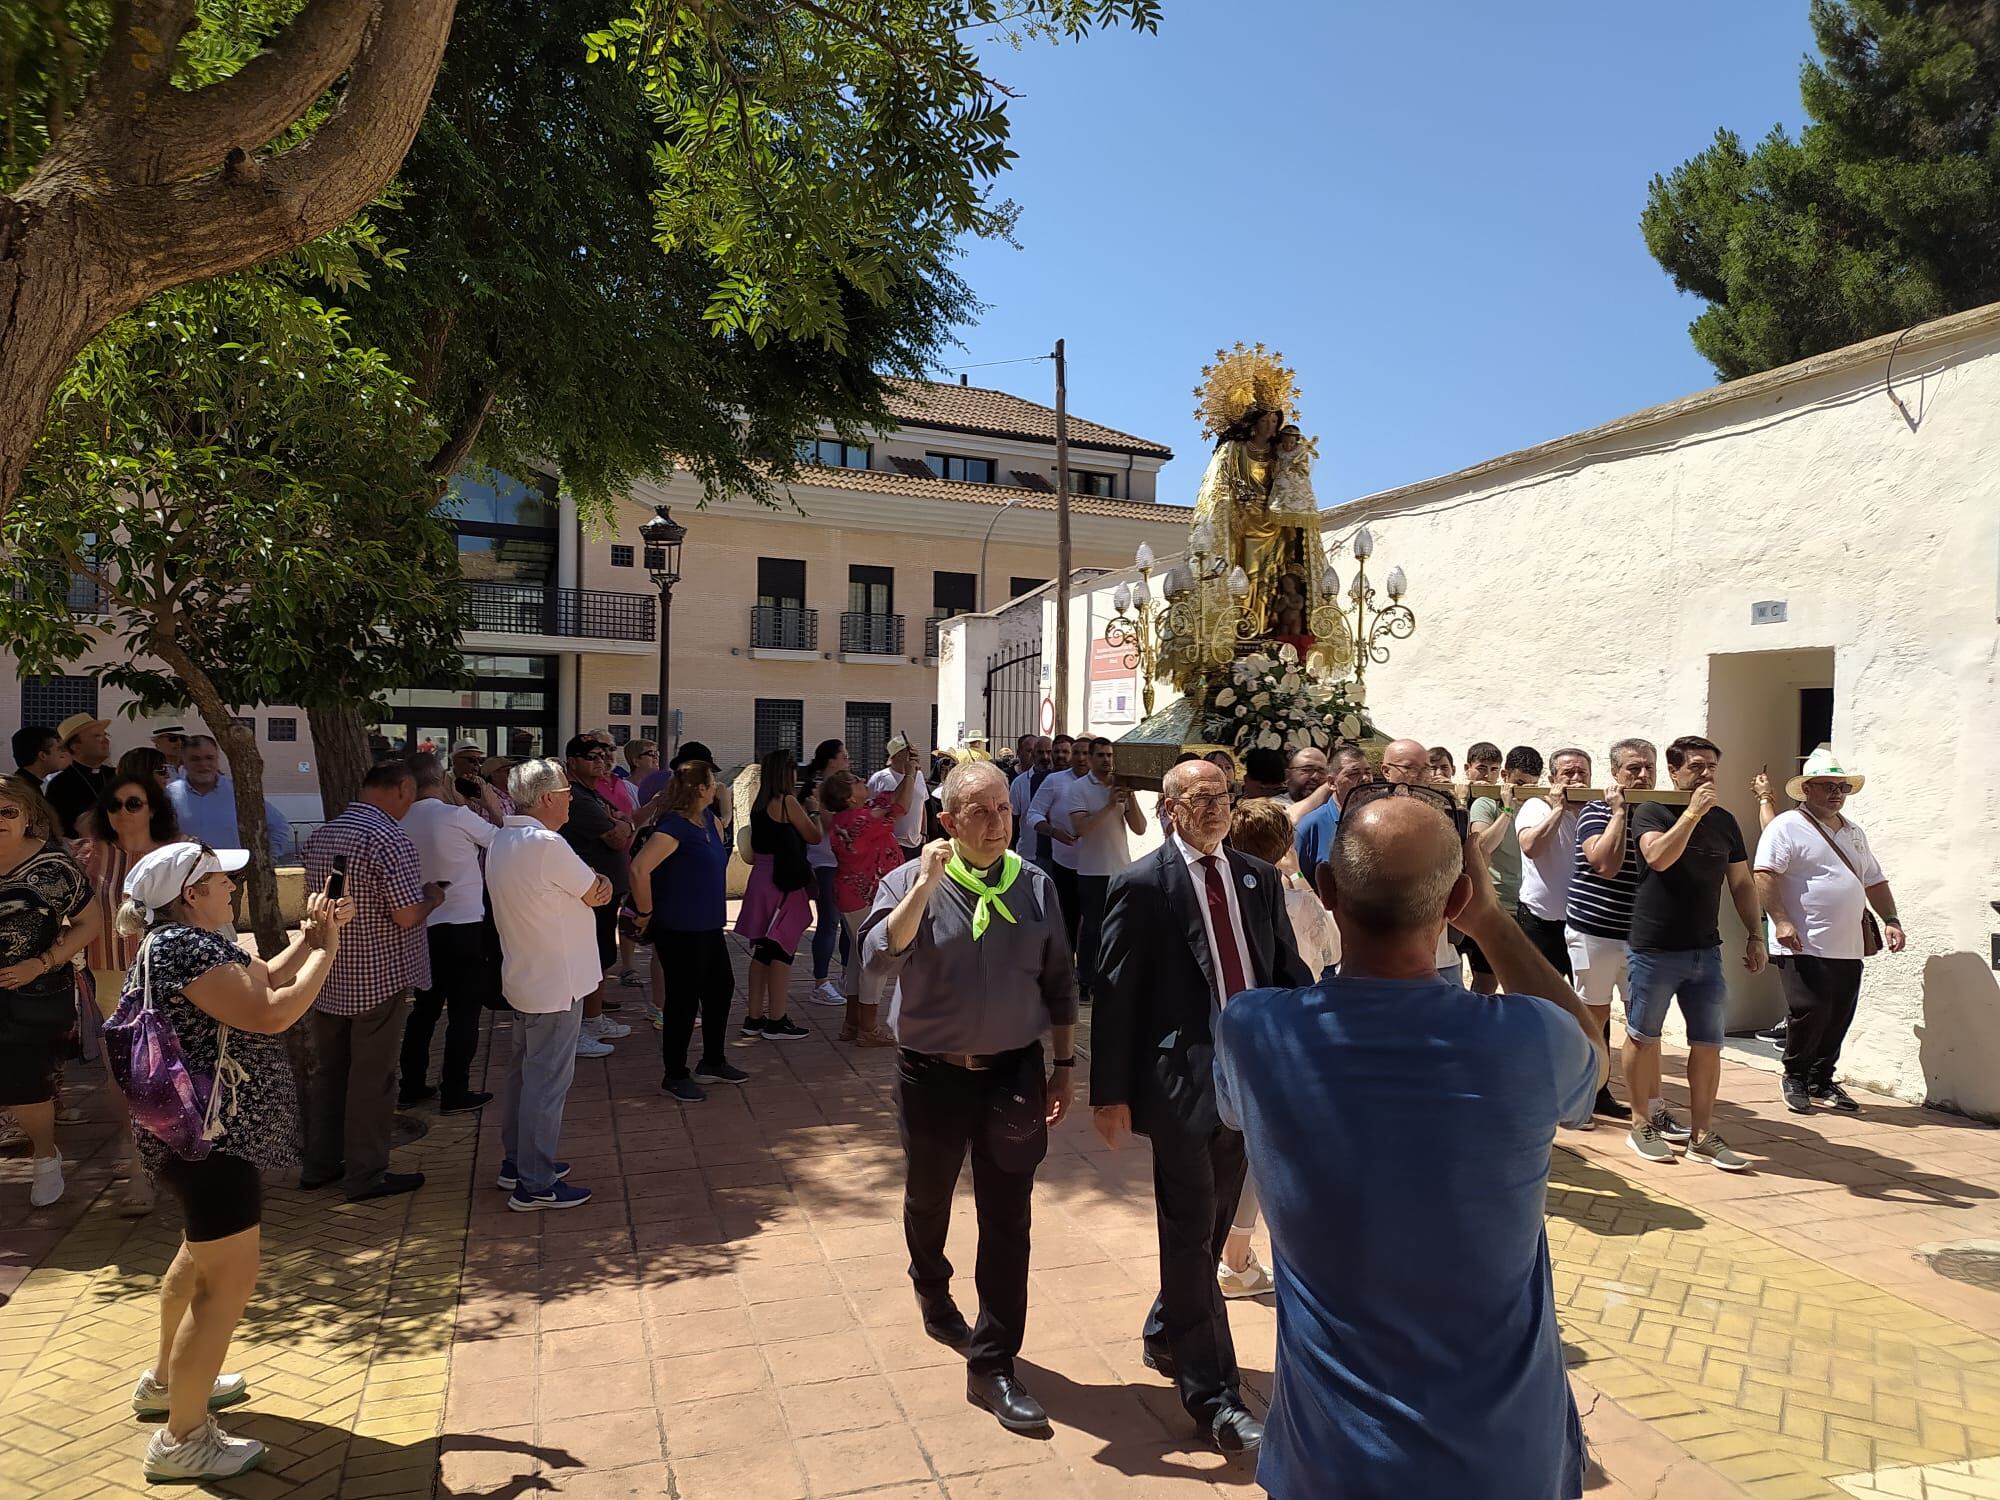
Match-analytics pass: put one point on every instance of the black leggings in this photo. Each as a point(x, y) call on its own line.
point(220, 1195)
point(764, 951)
point(694, 970)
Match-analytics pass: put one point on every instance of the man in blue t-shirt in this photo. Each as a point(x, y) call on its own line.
point(1399, 1130)
point(1313, 836)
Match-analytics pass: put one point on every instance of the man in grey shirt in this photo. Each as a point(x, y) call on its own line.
point(972, 938)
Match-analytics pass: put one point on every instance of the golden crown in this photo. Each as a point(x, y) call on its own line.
point(1240, 379)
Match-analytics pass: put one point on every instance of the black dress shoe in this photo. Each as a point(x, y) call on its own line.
point(1234, 1430)
point(406, 1097)
point(464, 1102)
point(1008, 1400)
point(388, 1185)
point(945, 1323)
point(1161, 1360)
point(1609, 1107)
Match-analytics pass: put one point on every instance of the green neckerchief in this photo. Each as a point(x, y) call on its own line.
point(989, 895)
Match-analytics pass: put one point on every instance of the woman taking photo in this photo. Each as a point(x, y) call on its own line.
point(678, 890)
point(828, 933)
point(131, 820)
point(228, 1011)
point(777, 903)
point(862, 830)
point(46, 919)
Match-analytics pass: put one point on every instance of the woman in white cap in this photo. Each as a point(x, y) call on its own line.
point(228, 1011)
point(46, 919)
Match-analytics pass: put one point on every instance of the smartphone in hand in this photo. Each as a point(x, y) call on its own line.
point(337, 887)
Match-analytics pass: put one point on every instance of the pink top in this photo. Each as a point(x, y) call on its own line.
point(864, 849)
point(620, 793)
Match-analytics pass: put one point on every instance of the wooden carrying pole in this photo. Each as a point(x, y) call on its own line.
point(1671, 795)
point(1062, 541)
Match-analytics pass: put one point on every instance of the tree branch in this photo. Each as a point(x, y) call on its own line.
point(465, 432)
point(191, 132)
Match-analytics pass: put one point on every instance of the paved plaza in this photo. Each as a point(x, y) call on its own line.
point(730, 1317)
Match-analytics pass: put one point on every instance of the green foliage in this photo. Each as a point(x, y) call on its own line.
point(1885, 212)
point(245, 483)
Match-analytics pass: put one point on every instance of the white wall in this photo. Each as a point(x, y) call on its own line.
point(1602, 587)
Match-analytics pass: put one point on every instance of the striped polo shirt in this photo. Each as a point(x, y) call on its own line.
point(1598, 906)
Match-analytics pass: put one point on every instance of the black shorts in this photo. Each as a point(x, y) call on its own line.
point(606, 917)
point(28, 1071)
point(220, 1195)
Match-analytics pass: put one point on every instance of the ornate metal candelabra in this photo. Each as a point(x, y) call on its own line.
point(1195, 629)
point(1374, 625)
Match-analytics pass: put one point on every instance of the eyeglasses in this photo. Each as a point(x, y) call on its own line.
point(1374, 791)
point(129, 804)
point(1206, 802)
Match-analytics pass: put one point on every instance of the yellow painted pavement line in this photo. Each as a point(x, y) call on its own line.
point(1777, 1371)
point(345, 1343)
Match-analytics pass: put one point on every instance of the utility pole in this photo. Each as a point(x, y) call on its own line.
point(1062, 541)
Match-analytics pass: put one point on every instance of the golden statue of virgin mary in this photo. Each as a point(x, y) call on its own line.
point(1257, 499)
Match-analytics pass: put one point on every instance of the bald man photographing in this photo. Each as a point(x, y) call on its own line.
point(1399, 1129)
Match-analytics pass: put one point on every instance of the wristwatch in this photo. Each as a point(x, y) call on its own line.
point(1062, 1062)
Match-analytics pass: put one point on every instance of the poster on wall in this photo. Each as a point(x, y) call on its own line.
point(1114, 687)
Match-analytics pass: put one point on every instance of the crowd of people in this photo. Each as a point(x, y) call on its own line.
point(1282, 1002)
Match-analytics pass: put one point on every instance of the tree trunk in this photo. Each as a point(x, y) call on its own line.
point(340, 747)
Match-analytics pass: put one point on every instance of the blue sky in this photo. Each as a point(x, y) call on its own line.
point(1431, 210)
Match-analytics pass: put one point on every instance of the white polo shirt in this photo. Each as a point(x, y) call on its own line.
point(1051, 805)
point(1102, 850)
point(1546, 874)
point(449, 840)
point(910, 826)
point(1817, 891)
point(548, 937)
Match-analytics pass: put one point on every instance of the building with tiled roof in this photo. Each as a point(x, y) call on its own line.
point(972, 409)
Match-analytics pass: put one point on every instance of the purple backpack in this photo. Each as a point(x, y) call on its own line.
point(168, 1100)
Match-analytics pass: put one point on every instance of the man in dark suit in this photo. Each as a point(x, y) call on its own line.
point(1184, 929)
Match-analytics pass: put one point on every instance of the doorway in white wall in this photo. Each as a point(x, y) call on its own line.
point(1766, 710)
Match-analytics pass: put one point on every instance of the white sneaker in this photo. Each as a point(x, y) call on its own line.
point(826, 992)
point(149, 1396)
point(589, 1046)
point(1252, 1281)
point(605, 1029)
point(206, 1453)
point(48, 1184)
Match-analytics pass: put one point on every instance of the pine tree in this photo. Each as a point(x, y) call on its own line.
point(1883, 213)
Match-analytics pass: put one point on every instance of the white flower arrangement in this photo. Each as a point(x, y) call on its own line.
point(1267, 701)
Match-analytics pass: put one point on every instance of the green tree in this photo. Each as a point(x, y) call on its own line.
point(802, 147)
point(1883, 213)
point(245, 485)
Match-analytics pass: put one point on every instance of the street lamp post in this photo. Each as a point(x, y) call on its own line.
point(663, 536)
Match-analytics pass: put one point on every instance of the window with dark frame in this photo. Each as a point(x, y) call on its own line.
point(621, 733)
point(776, 722)
point(830, 453)
point(656, 559)
point(954, 594)
point(958, 466)
point(621, 557)
point(649, 706)
point(867, 737)
point(781, 582)
point(650, 732)
point(620, 705)
point(50, 700)
point(1016, 587)
point(1083, 482)
point(871, 590)
point(280, 729)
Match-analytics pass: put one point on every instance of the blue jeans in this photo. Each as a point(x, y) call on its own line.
point(532, 1098)
point(828, 929)
point(1658, 975)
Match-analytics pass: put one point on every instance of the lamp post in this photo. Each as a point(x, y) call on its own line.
point(1374, 626)
point(663, 536)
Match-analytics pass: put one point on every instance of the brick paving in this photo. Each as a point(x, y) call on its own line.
point(731, 1318)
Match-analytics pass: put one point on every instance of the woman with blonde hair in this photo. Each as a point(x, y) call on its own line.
point(229, 1012)
point(777, 903)
point(679, 890)
point(46, 919)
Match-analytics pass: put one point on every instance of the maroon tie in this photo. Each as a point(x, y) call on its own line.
point(1233, 982)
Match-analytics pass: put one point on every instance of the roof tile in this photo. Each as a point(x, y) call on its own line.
point(971, 408)
point(929, 487)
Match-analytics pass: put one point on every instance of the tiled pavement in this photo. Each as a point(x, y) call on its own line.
point(730, 1317)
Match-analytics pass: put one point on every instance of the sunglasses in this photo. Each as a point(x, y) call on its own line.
point(129, 804)
point(1375, 791)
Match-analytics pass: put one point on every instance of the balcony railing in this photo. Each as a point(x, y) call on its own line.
point(783, 627)
point(930, 638)
point(529, 609)
point(871, 635)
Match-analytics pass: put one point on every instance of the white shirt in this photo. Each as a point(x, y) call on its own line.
point(1199, 875)
point(1546, 874)
point(449, 840)
point(548, 937)
point(1051, 805)
point(910, 826)
point(1313, 927)
point(1102, 850)
point(1815, 889)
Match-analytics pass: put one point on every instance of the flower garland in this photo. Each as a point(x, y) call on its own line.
point(1269, 702)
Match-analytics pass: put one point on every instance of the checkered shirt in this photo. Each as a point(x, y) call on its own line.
point(378, 960)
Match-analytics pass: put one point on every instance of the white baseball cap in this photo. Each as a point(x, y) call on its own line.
point(161, 878)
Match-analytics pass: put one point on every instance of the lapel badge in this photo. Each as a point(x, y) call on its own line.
point(1249, 881)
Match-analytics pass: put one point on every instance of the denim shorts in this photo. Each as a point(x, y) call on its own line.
point(1658, 975)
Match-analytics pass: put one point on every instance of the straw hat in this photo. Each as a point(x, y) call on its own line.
point(1822, 765)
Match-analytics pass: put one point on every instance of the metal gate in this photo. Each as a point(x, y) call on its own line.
point(1013, 694)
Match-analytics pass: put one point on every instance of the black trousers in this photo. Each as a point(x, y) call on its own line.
point(1820, 995)
point(461, 979)
point(1196, 1182)
point(1000, 1116)
point(1551, 939)
point(1090, 893)
point(1068, 899)
point(695, 972)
